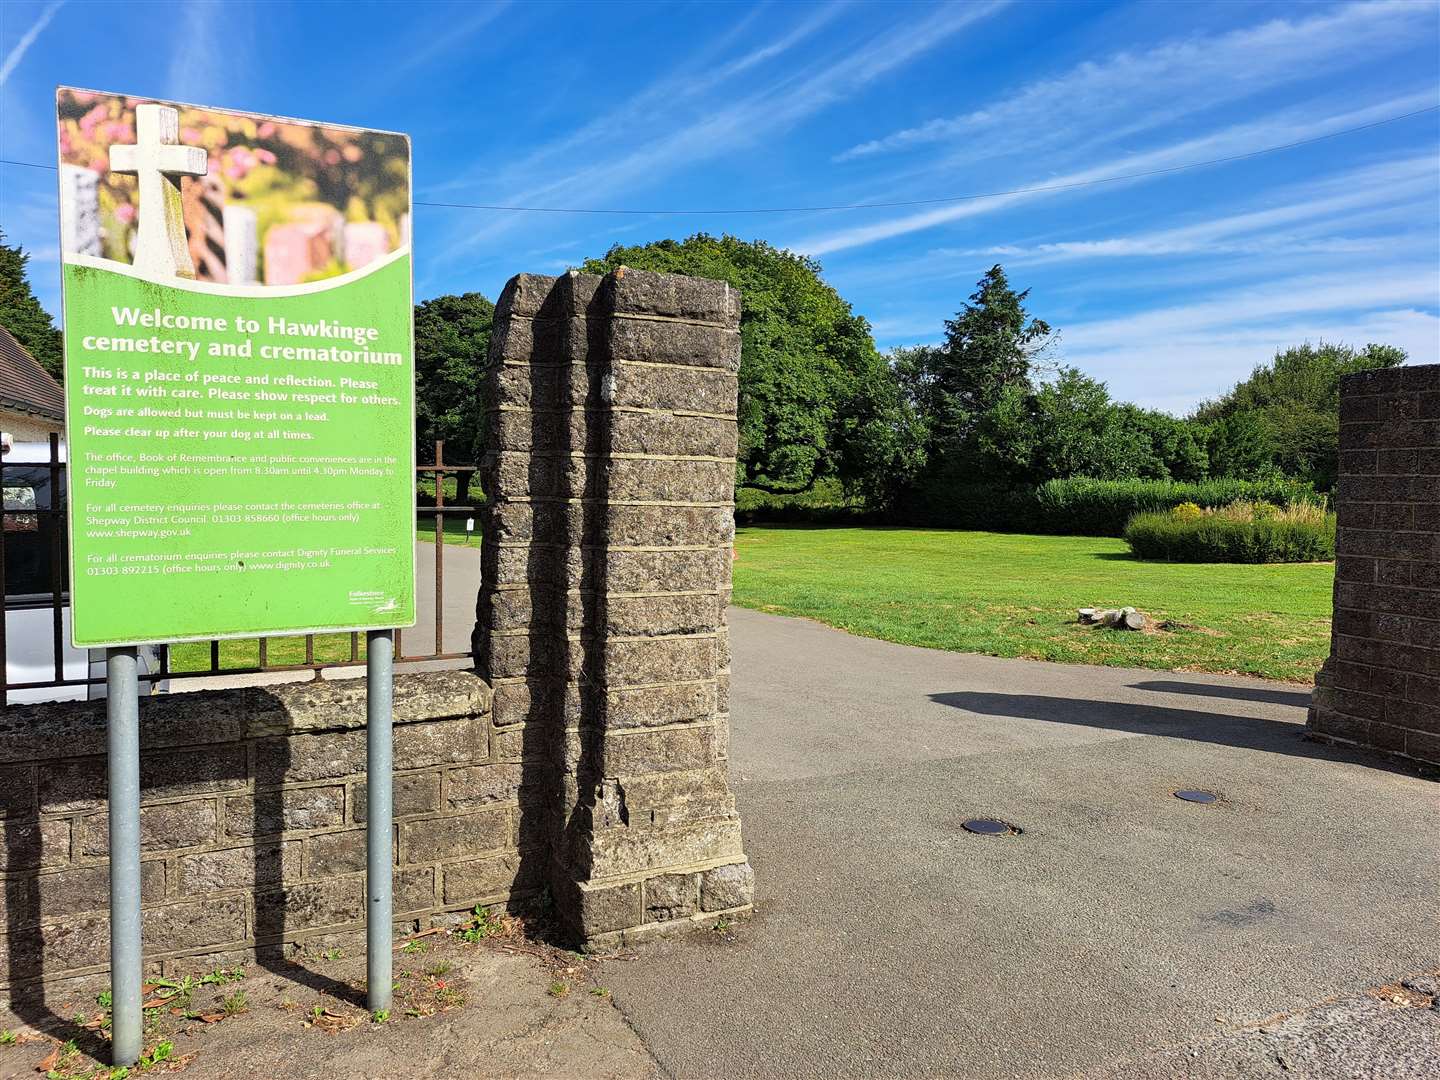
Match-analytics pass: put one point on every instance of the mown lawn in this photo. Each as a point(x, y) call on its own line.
point(1012, 595)
point(454, 526)
point(245, 652)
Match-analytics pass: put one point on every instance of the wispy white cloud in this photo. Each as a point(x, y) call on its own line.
point(203, 54)
point(456, 35)
point(20, 48)
point(1415, 284)
point(1130, 92)
point(1173, 356)
point(1243, 138)
point(606, 156)
point(1177, 371)
point(699, 73)
point(1290, 226)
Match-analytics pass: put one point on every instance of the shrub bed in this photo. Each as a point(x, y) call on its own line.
point(1243, 532)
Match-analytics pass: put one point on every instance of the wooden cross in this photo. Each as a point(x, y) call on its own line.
point(159, 161)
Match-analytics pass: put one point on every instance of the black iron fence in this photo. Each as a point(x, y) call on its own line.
point(35, 654)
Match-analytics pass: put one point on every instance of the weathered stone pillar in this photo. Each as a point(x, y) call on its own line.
point(1380, 688)
point(601, 620)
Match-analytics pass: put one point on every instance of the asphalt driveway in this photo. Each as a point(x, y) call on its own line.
point(1120, 919)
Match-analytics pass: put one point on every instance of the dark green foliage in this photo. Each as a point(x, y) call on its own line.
point(816, 398)
point(452, 337)
point(999, 434)
point(996, 426)
point(22, 314)
point(826, 503)
point(1286, 415)
point(1264, 538)
point(1083, 506)
point(1239, 446)
point(1069, 426)
point(989, 349)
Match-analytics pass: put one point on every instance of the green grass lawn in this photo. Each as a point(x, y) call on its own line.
point(995, 593)
point(245, 652)
point(454, 529)
point(1014, 595)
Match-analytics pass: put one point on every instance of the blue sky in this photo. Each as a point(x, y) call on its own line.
point(1168, 287)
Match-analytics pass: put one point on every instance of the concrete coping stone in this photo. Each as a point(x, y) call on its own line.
point(674, 296)
point(624, 291)
point(523, 295)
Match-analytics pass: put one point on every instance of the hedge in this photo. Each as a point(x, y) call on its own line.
point(1082, 506)
point(1087, 507)
point(824, 504)
point(1244, 532)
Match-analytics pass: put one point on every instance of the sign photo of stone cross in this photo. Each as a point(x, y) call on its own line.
point(159, 161)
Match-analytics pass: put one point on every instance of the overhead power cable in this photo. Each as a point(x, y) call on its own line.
point(897, 203)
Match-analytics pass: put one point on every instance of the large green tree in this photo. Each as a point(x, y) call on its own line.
point(22, 314)
point(990, 348)
point(1068, 425)
point(1286, 416)
point(997, 415)
point(817, 400)
point(452, 336)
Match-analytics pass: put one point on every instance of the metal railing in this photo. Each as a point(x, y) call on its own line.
point(44, 568)
point(440, 471)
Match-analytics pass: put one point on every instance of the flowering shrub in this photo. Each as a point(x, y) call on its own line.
point(1243, 532)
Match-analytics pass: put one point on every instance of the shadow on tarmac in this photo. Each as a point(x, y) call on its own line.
point(1298, 698)
point(1243, 732)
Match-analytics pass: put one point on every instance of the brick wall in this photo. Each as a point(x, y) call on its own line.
point(1380, 687)
point(252, 822)
point(601, 622)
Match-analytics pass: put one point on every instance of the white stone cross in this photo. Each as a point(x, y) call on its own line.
point(156, 158)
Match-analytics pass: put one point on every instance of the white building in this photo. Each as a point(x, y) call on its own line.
point(32, 404)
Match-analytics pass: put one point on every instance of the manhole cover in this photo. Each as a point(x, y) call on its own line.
point(988, 827)
point(1197, 796)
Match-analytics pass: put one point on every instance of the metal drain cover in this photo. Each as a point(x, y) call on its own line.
point(1197, 796)
point(988, 827)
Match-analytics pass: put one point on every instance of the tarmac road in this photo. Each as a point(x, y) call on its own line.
point(890, 942)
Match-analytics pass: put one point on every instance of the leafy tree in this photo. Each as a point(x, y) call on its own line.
point(1294, 401)
point(1239, 446)
point(1069, 426)
point(1167, 447)
point(990, 348)
point(22, 314)
point(816, 398)
point(996, 418)
point(452, 336)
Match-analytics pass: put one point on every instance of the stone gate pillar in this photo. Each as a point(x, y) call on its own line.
point(1380, 688)
point(601, 619)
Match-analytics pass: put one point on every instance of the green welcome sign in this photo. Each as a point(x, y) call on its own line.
point(239, 373)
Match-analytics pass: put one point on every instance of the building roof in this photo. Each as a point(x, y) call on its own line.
point(25, 386)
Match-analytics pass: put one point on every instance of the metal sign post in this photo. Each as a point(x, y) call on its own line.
point(379, 818)
point(122, 710)
point(247, 389)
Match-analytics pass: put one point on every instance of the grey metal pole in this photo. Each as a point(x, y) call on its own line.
point(380, 667)
point(122, 711)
